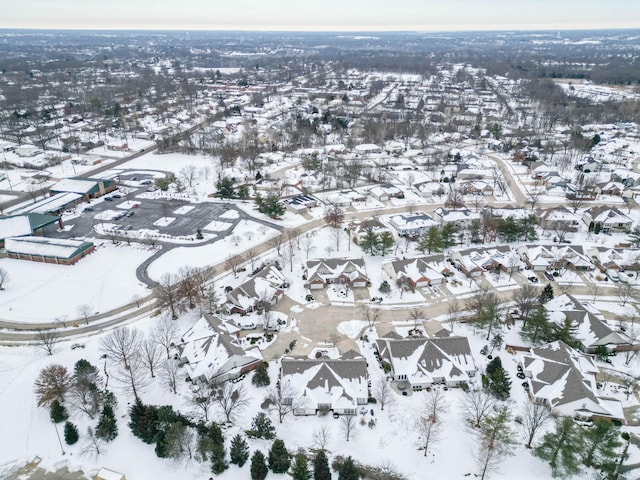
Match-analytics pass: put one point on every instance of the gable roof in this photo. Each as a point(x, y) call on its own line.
point(21, 225)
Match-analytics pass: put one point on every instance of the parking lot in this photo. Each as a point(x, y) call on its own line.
point(128, 212)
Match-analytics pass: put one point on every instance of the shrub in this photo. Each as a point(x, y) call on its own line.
point(70, 433)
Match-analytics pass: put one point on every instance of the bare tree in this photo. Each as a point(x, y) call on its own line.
point(381, 390)
point(477, 405)
point(94, 445)
point(371, 315)
point(122, 345)
point(348, 424)
point(534, 417)
point(625, 292)
point(337, 234)
point(53, 383)
point(231, 399)
point(429, 422)
point(170, 375)
point(188, 174)
point(283, 399)
point(526, 300)
point(496, 440)
point(4, 277)
point(416, 314)
point(233, 263)
point(251, 256)
point(595, 291)
point(320, 438)
point(453, 310)
point(167, 293)
point(47, 340)
point(132, 376)
point(307, 244)
point(164, 333)
point(201, 398)
point(150, 355)
point(84, 311)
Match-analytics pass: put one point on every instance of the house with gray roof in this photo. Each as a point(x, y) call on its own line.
point(211, 352)
point(419, 272)
point(323, 385)
point(564, 380)
point(266, 285)
point(419, 363)
point(350, 271)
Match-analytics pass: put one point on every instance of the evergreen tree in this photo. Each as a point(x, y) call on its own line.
point(601, 444)
point(143, 422)
point(547, 294)
point(321, 469)
point(385, 242)
point(261, 375)
point(243, 192)
point(218, 461)
point(300, 468)
point(270, 205)
point(57, 412)
point(208, 438)
point(369, 241)
point(225, 188)
point(279, 458)
point(497, 379)
point(430, 241)
point(239, 451)
point(261, 427)
point(107, 428)
point(173, 444)
point(565, 332)
point(259, 468)
point(348, 470)
point(70, 433)
point(562, 448)
point(448, 235)
point(537, 327)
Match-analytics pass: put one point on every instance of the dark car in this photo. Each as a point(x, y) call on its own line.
point(108, 199)
point(533, 279)
point(117, 195)
point(88, 209)
point(129, 214)
point(549, 276)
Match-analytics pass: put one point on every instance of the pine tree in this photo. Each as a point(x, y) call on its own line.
point(348, 470)
point(107, 428)
point(279, 459)
point(547, 294)
point(537, 327)
point(218, 461)
point(70, 433)
point(430, 241)
point(562, 448)
point(261, 427)
point(385, 242)
point(208, 438)
point(239, 451)
point(261, 375)
point(259, 468)
point(601, 444)
point(497, 379)
point(496, 439)
point(300, 468)
point(369, 241)
point(57, 412)
point(448, 235)
point(321, 469)
point(144, 419)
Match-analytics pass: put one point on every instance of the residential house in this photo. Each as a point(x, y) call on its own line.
point(461, 217)
point(544, 257)
point(610, 188)
point(473, 262)
point(325, 385)
point(618, 259)
point(412, 224)
point(607, 220)
point(266, 285)
point(350, 271)
point(418, 272)
point(422, 362)
point(559, 218)
point(212, 353)
point(564, 380)
point(586, 323)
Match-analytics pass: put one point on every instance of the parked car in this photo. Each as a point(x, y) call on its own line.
point(108, 199)
point(533, 279)
point(88, 209)
point(130, 213)
point(117, 195)
point(549, 276)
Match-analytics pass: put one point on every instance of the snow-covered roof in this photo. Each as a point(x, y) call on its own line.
point(46, 247)
point(565, 379)
point(332, 268)
point(53, 203)
point(19, 225)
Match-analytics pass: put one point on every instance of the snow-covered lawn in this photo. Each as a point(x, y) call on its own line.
point(164, 221)
point(105, 279)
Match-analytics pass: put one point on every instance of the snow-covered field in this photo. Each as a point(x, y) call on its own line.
point(105, 279)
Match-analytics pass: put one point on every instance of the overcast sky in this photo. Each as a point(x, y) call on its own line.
point(361, 15)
